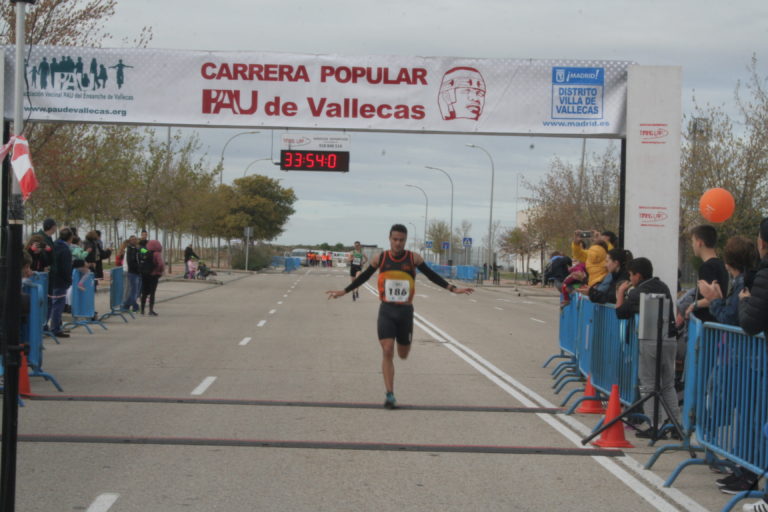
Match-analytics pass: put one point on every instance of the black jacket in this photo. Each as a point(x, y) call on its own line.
point(608, 296)
point(132, 257)
point(559, 268)
point(753, 311)
point(61, 275)
point(631, 305)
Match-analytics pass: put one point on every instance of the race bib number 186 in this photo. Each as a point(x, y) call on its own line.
point(397, 290)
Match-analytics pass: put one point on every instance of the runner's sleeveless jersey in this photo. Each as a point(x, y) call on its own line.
point(357, 259)
point(397, 278)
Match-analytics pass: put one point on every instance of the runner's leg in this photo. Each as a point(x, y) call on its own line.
point(387, 363)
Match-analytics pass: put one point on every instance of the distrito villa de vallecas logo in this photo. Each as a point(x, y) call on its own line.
point(462, 94)
point(68, 74)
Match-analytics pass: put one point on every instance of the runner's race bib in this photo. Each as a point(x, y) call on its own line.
point(356, 261)
point(397, 290)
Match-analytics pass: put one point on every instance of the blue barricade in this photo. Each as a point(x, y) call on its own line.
point(466, 272)
point(116, 295)
point(731, 405)
point(84, 303)
point(277, 261)
point(32, 330)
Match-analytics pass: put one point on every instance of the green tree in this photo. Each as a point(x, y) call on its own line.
point(260, 202)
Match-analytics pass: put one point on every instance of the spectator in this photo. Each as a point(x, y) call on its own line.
point(152, 267)
point(189, 253)
point(143, 238)
point(60, 279)
point(593, 257)
point(604, 292)
point(36, 249)
point(739, 255)
point(558, 269)
point(753, 306)
point(577, 275)
point(133, 273)
point(48, 232)
point(703, 240)
point(641, 279)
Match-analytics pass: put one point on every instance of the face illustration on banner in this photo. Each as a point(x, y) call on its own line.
point(462, 94)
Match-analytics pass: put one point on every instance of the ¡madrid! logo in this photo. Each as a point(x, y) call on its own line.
point(67, 74)
point(462, 94)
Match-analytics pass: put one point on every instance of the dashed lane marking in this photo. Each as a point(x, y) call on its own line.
point(245, 341)
point(261, 323)
point(537, 320)
point(199, 390)
point(103, 502)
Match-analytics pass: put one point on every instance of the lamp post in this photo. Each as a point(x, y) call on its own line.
point(250, 164)
point(426, 211)
point(450, 235)
point(490, 215)
point(221, 182)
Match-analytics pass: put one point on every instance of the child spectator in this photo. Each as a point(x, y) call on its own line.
point(739, 255)
point(604, 292)
point(577, 275)
point(641, 278)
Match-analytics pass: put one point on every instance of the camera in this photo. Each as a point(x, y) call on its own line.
point(585, 234)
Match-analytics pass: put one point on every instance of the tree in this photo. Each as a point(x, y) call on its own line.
point(439, 232)
point(260, 202)
point(567, 199)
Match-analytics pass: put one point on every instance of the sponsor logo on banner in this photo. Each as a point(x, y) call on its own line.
point(462, 94)
point(654, 133)
point(71, 78)
point(578, 93)
point(653, 216)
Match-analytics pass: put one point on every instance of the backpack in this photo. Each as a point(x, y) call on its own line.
point(146, 261)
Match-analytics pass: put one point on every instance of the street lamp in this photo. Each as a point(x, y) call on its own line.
point(221, 182)
point(450, 236)
point(257, 160)
point(490, 215)
point(221, 160)
point(426, 211)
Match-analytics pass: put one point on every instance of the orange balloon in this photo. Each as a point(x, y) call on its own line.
point(717, 205)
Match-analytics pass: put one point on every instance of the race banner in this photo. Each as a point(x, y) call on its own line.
point(284, 90)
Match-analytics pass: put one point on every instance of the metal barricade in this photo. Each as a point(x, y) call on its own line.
point(32, 329)
point(84, 303)
point(116, 293)
point(731, 405)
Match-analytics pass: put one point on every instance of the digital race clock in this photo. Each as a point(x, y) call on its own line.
point(302, 160)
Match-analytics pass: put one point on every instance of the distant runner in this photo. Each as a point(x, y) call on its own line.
point(397, 275)
point(357, 259)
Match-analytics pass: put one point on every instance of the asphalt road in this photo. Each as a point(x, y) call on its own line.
point(260, 394)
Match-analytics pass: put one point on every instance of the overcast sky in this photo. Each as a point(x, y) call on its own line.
point(712, 41)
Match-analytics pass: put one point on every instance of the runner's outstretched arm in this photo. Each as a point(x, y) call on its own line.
point(439, 281)
point(359, 280)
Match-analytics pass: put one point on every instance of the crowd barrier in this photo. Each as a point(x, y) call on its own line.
point(289, 263)
point(117, 295)
point(84, 303)
point(32, 329)
point(462, 272)
point(725, 404)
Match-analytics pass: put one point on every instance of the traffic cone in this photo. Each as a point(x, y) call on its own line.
point(613, 437)
point(592, 405)
point(24, 387)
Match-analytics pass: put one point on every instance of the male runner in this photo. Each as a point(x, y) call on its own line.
point(356, 260)
point(397, 275)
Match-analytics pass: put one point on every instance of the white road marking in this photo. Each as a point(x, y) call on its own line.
point(261, 323)
point(244, 342)
point(537, 320)
point(530, 398)
point(199, 390)
point(472, 300)
point(420, 295)
point(504, 300)
point(528, 302)
point(272, 311)
point(279, 302)
point(284, 296)
point(103, 502)
point(497, 307)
